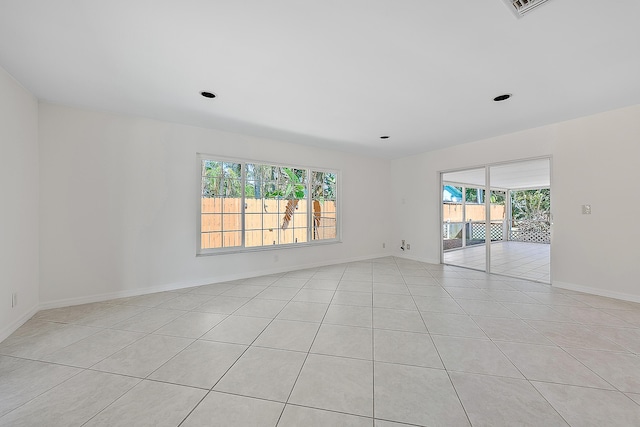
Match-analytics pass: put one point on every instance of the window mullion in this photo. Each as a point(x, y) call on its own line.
point(309, 205)
point(243, 175)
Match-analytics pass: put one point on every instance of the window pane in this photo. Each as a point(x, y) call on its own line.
point(232, 238)
point(211, 222)
point(300, 235)
point(253, 238)
point(253, 221)
point(324, 208)
point(233, 204)
point(221, 199)
point(270, 237)
point(285, 236)
point(253, 206)
point(270, 221)
point(211, 240)
point(232, 222)
point(211, 205)
point(276, 201)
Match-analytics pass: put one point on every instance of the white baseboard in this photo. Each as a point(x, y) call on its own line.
point(405, 255)
point(13, 326)
point(66, 302)
point(597, 291)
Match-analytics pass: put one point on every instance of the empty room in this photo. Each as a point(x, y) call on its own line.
point(340, 213)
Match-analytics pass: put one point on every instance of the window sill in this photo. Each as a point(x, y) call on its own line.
point(225, 251)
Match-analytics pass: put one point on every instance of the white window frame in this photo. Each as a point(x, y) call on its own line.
point(238, 249)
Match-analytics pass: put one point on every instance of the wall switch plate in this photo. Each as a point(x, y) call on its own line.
point(14, 299)
point(586, 209)
point(384, 245)
point(408, 246)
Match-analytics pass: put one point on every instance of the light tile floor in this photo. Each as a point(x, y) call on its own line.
point(386, 342)
point(519, 259)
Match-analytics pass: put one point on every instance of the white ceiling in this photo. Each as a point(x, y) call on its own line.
point(513, 176)
point(330, 73)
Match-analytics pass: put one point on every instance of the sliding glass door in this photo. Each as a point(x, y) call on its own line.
point(464, 218)
point(498, 219)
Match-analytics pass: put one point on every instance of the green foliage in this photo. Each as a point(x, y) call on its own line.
point(221, 179)
point(531, 204)
point(290, 185)
point(323, 186)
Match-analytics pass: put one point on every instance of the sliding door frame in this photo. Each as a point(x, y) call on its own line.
point(487, 203)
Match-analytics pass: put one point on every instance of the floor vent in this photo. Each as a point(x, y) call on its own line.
point(522, 7)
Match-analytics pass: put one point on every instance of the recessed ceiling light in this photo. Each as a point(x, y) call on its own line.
point(384, 137)
point(208, 94)
point(503, 97)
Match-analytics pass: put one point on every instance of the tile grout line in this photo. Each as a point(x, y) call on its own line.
point(440, 357)
point(309, 350)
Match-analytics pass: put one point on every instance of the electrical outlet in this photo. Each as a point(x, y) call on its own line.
point(14, 299)
point(408, 246)
point(586, 209)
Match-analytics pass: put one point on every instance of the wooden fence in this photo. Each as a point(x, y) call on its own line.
point(265, 222)
point(453, 212)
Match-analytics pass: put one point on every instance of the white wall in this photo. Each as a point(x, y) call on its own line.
point(594, 161)
point(119, 205)
point(19, 208)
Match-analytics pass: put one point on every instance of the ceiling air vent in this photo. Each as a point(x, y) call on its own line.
point(522, 7)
